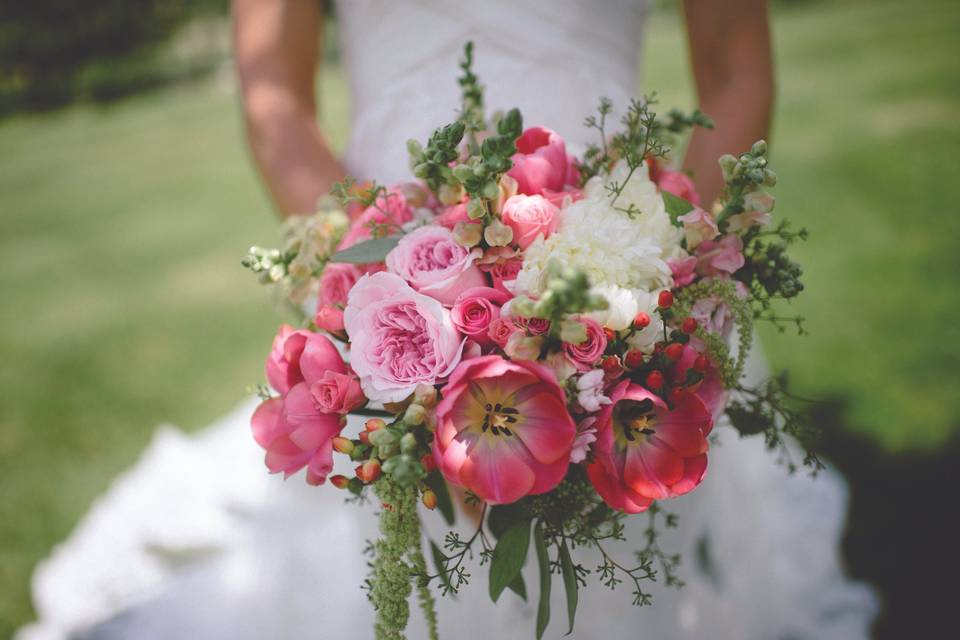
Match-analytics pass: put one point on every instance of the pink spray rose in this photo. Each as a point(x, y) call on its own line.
point(336, 281)
point(500, 331)
point(541, 162)
point(400, 338)
point(587, 353)
point(698, 225)
point(474, 311)
point(503, 430)
point(646, 452)
point(296, 428)
point(720, 257)
point(504, 273)
point(530, 217)
point(435, 264)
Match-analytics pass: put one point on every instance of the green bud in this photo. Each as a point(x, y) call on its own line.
point(759, 148)
point(727, 163)
point(388, 451)
point(573, 331)
point(390, 465)
point(476, 209)
point(769, 178)
point(414, 148)
point(463, 172)
point(414, 415)
point(491, 190)
point(408, 443)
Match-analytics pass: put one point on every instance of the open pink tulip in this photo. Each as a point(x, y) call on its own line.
point(541, 162)
point(644, 451)
point(503, 430)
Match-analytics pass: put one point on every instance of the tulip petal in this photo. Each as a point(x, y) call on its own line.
point(650, 469)
point(267, 421)
point(545, 427)
point(694, 470)
point(496, 474)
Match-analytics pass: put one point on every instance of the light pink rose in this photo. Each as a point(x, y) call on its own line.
point(684, 270)
point(337, 392)
point(698, 225)
point(720, 257)
point(399, 338)
point(474, 311)
point(530, 217)
point(387, 214)
point(587, 353)
point(500, 331)
point(329, 318)
point(336, 281)
point(541, 162)
point(434, 263)
point(677, 183)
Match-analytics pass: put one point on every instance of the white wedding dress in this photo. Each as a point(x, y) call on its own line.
point(197, 541)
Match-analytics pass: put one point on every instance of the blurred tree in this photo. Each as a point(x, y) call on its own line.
point(46, 46)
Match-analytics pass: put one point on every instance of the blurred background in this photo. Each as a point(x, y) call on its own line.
point(127, 199)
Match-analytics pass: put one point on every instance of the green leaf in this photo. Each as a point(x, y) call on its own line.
point(519, 587)
point(569, 583)
point(439, 564)
point(508, 557)
point(676, 206)
point(501, 517)
point(543, 609)
point(374, 250)
point(439, 486)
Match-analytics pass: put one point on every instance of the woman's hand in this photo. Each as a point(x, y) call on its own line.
point(276, 46)
point(733, 71)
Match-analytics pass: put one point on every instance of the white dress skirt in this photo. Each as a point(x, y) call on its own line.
point(196, 540)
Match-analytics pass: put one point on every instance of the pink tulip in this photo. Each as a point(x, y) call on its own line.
point(541, 163)
point(644, 451)
point(503, 430)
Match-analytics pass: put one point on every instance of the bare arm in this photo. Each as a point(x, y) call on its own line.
point(733, 71)
point(276, 45)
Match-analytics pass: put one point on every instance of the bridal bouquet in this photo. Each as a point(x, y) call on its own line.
point(554, 335)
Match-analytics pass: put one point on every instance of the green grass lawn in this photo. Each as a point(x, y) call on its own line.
point(124, 305)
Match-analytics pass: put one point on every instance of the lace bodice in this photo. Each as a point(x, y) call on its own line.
point(553, 60)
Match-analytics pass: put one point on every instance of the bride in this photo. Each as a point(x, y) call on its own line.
point(197, 541)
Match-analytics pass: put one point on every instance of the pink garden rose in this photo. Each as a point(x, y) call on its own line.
point(533, 326)
point(677, 183)
point(475, 310)
point(296, 428)
point(720, 257)
point(541, 162)
point(500, 331)
point(503, 430)
point(504, 274)
point(336, 281)
point(435, 264)
point(530, 217)
point(587, 353)
point(399, 338)
point(646, 452)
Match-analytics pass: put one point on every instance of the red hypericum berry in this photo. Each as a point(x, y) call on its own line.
point(665, 301)
point(340, 482)
point(701, 364)
point(654, 380)
point(364, 437)
point(358, 471)
point(612, 366)
point(641, 320)
point(371, 470)
point(676, 394)
point(689, 326)
point(610, 333)
point(674, 351)
point(429, 499)
point(428, 462)
point(634, 358)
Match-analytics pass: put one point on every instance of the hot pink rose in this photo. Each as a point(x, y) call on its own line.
point(386, 215)
point(533, 326)
point(646, 452)
point(329, 318)
point(504, 274)
point(400, 338)
point(530, 217)
point(336, 281)
point(283, 364)
point(677, 183)
point(295, 429)
point(337, 393)
point(500, 331)
point(475, 310)
point(684, 270)
point(503, 430)
point(433, 263)
point(541, 162)
point(720, 257)
point(586, 354)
